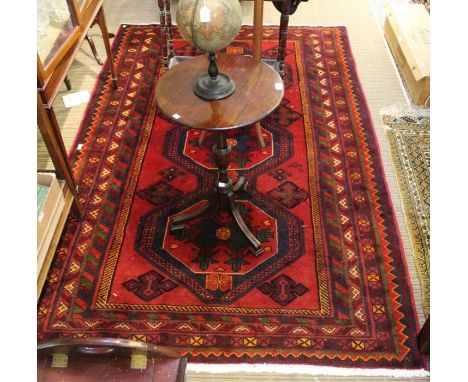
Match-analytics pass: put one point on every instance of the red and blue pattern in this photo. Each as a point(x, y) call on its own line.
point(331, 287)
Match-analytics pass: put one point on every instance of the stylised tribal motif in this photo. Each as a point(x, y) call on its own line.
point(331, 287)
point(409, 139)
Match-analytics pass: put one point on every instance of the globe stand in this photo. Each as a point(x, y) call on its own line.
point(213, 85)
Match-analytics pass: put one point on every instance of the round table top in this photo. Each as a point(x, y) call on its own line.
point(259, 90)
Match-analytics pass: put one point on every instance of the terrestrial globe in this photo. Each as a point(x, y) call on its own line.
point(210, 25)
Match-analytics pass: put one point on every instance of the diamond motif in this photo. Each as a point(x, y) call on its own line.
point(283, 290)
point(149, 285)
point(283, 115)
point(160, 193)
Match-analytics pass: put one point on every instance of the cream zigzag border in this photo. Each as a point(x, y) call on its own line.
point(415, 215)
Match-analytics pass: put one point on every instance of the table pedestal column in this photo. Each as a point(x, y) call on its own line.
point(223, 198)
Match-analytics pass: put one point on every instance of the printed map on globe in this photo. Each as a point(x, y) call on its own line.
point(214, 31)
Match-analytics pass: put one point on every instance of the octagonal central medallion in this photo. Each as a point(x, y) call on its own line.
point(216, 244)
point(211, 257)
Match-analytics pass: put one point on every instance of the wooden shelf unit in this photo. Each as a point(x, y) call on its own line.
point(58, 221)
point(84, 14)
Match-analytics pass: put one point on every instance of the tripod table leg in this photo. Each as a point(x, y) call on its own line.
point(177, 222)
point(256, 247)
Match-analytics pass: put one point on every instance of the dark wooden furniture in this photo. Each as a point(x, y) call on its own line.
point(93, 50)
point(52, 69)
point(107, 359)
point(51, 75)
point(165, 19)
point(286, 7)
point(176, 99)
point(424, 337)
point(59, 158)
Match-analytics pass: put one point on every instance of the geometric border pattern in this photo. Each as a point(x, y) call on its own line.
point(344, 164)
point(409, 140)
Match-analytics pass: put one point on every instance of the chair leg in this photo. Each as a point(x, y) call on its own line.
point(283, 35)
point(201, 138)
point(93, 49)
point(162, 21)
point(257, 30)
point(105, 34)
point(258, 130)
point(170, 43)
point(67, 83)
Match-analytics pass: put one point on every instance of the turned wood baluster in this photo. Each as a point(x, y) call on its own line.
point(162, 20)
point(222, 153)
point(283, 34)
point(170, 43)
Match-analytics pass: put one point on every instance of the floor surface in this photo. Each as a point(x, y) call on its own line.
point(376, 69)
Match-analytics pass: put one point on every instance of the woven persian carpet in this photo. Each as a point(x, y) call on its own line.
point(331, 287)
point(409, 139)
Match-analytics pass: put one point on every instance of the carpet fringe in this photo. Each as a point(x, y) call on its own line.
point(303, 369)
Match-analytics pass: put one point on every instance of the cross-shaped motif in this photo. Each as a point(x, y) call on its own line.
point(289, 194)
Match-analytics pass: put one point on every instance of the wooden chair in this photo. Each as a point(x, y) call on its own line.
point(93, 48)
point(95, 54)
point(107, 359)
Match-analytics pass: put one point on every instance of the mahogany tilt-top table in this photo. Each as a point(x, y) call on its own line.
point(259, 90)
